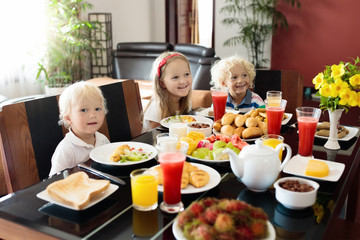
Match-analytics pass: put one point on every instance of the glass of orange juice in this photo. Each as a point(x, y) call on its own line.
point(144, 184)
point(272, 140)
point(274, 97)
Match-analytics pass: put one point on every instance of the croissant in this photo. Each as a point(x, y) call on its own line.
point(184, 179)
point(199, 178)
point(116, 155)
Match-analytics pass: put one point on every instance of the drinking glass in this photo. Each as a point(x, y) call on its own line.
point(172, 163)
point(272, 140)
point(307, 118)
point(274, 97)
point(144, 184)
point(274, 116)
point(219, 96)
point(178, 128)
point(166, 142)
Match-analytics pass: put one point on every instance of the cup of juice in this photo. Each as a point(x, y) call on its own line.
point(166, 141)
point(144, 184)
point(219, 96)
point(274, 116)
point(272, 140)
point(307, 118)
point(172, 166)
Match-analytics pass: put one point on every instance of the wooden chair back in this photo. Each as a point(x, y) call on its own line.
point(290, 83)
point(30, 132)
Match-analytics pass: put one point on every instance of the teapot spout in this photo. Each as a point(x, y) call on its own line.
point(236, 163)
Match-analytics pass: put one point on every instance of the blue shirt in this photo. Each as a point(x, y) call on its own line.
point(251, 101)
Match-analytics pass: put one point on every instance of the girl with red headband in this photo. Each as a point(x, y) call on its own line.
point(172, 82)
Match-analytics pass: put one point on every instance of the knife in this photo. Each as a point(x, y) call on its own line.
point(101, 174)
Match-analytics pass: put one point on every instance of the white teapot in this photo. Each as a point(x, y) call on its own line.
point(257, 165)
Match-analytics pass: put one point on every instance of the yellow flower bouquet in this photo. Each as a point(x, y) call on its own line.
point(338, 86)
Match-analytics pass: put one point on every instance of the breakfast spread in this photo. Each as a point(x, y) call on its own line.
point(190, 175)
point(316, 168)
point(246, 126)
point(211, 218)
point(184, 119)
point(76, 190)
point(125, 153)
point(323, 129)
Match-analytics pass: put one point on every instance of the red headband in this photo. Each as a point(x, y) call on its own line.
point(162, 63)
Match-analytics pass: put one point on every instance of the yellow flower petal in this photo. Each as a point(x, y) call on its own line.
point(318, 80)
point(325, 90)
point(355, 80)
point(337, 71)
point(334, 90)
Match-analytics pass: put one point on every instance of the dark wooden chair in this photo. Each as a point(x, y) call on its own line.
point(290, 83)
point(29, 131)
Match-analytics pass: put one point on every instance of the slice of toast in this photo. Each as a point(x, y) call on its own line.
point(76, 190)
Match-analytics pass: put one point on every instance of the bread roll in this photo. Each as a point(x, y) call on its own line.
point(240, 120)
point(184, 179)
point(227, 130)
point(199, 178)
point(251, 122)
point(251, 132)
point(188, 167)
point(217, 125)
point(323, 125)
point(263, 127)
point(238, 131)
point(323, 132)
point(76, 190)
point(248, 114)
point(228, 118)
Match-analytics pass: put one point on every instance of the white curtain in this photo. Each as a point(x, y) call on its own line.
point(22, 41)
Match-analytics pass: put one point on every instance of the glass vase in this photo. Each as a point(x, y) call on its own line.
point(334, 118)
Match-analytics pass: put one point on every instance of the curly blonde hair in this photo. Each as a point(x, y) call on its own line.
point(75, 93)
point(161, 94)
point(221, 70)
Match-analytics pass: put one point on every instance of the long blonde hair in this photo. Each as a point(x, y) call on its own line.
point(161, 94)
point(220, 71)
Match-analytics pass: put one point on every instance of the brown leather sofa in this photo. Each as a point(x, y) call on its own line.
point(133, 60)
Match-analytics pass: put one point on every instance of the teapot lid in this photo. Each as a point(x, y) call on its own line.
point(258, 149)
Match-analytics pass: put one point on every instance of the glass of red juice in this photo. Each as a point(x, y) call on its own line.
point(219, 96)
point(274, 116)
point(307, 118)
point(172, 166)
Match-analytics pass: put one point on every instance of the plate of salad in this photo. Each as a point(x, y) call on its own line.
point(123, 153)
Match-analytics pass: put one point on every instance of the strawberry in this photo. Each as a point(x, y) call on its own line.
point(203, 232)
point(224, 223)
point(259, 229)
point(243, 233)
point(211, 214)
point(196, 209)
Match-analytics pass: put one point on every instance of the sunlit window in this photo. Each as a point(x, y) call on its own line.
point(22, 40)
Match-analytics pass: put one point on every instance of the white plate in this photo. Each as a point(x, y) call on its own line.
point(297, 166)
point(112, 188)
point(165, 122)
point(287, 119)
point(352, 133)
point(102, 153)
point(178, 234)
point(215, 179)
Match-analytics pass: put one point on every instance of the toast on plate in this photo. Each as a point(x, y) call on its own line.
point(76, 190)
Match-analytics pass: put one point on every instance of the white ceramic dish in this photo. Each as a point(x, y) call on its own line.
point(112, 188)
point(180, 236)
point(352, 133)
point(296, 200)
point(297, 166)
point(165, 122)
point(102, 153)
point(206, 131)
point(215, 179)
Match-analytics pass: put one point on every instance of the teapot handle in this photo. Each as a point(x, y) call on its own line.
point(288, 154)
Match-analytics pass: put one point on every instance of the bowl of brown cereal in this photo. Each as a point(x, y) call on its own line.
point(296, 193)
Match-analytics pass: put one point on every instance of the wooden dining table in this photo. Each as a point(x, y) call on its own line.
point(24, 215)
